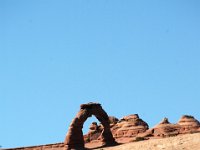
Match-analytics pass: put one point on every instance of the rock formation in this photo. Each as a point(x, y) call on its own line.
point(94, 133)
point(113, 120)
point(129, 126)
point(165, 129)
point(132, 126)
point(112, 129)
point(75, 139)
point(188, 124)
point(95, 130)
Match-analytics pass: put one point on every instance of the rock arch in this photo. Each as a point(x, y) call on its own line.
point(74, 138)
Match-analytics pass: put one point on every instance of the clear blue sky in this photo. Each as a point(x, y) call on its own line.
point(131, 56)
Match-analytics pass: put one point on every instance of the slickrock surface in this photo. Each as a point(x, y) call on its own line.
point(56, 146)
point(181, 142)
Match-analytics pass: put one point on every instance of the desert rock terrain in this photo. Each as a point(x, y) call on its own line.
point(181, 142)
point(128, 133)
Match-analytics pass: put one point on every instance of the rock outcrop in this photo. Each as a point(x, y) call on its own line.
point(112, 129)
point(165, 129)
point(188, 124)
point(75, 139)
point(113, 120)
point(94, 133)
point(129, 126)
point(132, 126)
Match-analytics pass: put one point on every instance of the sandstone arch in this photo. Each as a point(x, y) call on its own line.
point(74, 138)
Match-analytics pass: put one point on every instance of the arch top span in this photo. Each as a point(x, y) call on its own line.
point(90, 105)
point(74, 138)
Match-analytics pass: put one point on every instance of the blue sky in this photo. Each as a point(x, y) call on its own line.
point(131, 56)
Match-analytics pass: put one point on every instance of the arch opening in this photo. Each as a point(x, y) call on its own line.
point(88, 123)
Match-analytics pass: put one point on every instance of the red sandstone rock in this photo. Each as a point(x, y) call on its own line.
point(165, 129)
point(125, 129)
point(93, 127)
point(188, 124)
point(94, 133)
point(113, 120)
point(75, 139)
point(129, 126)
